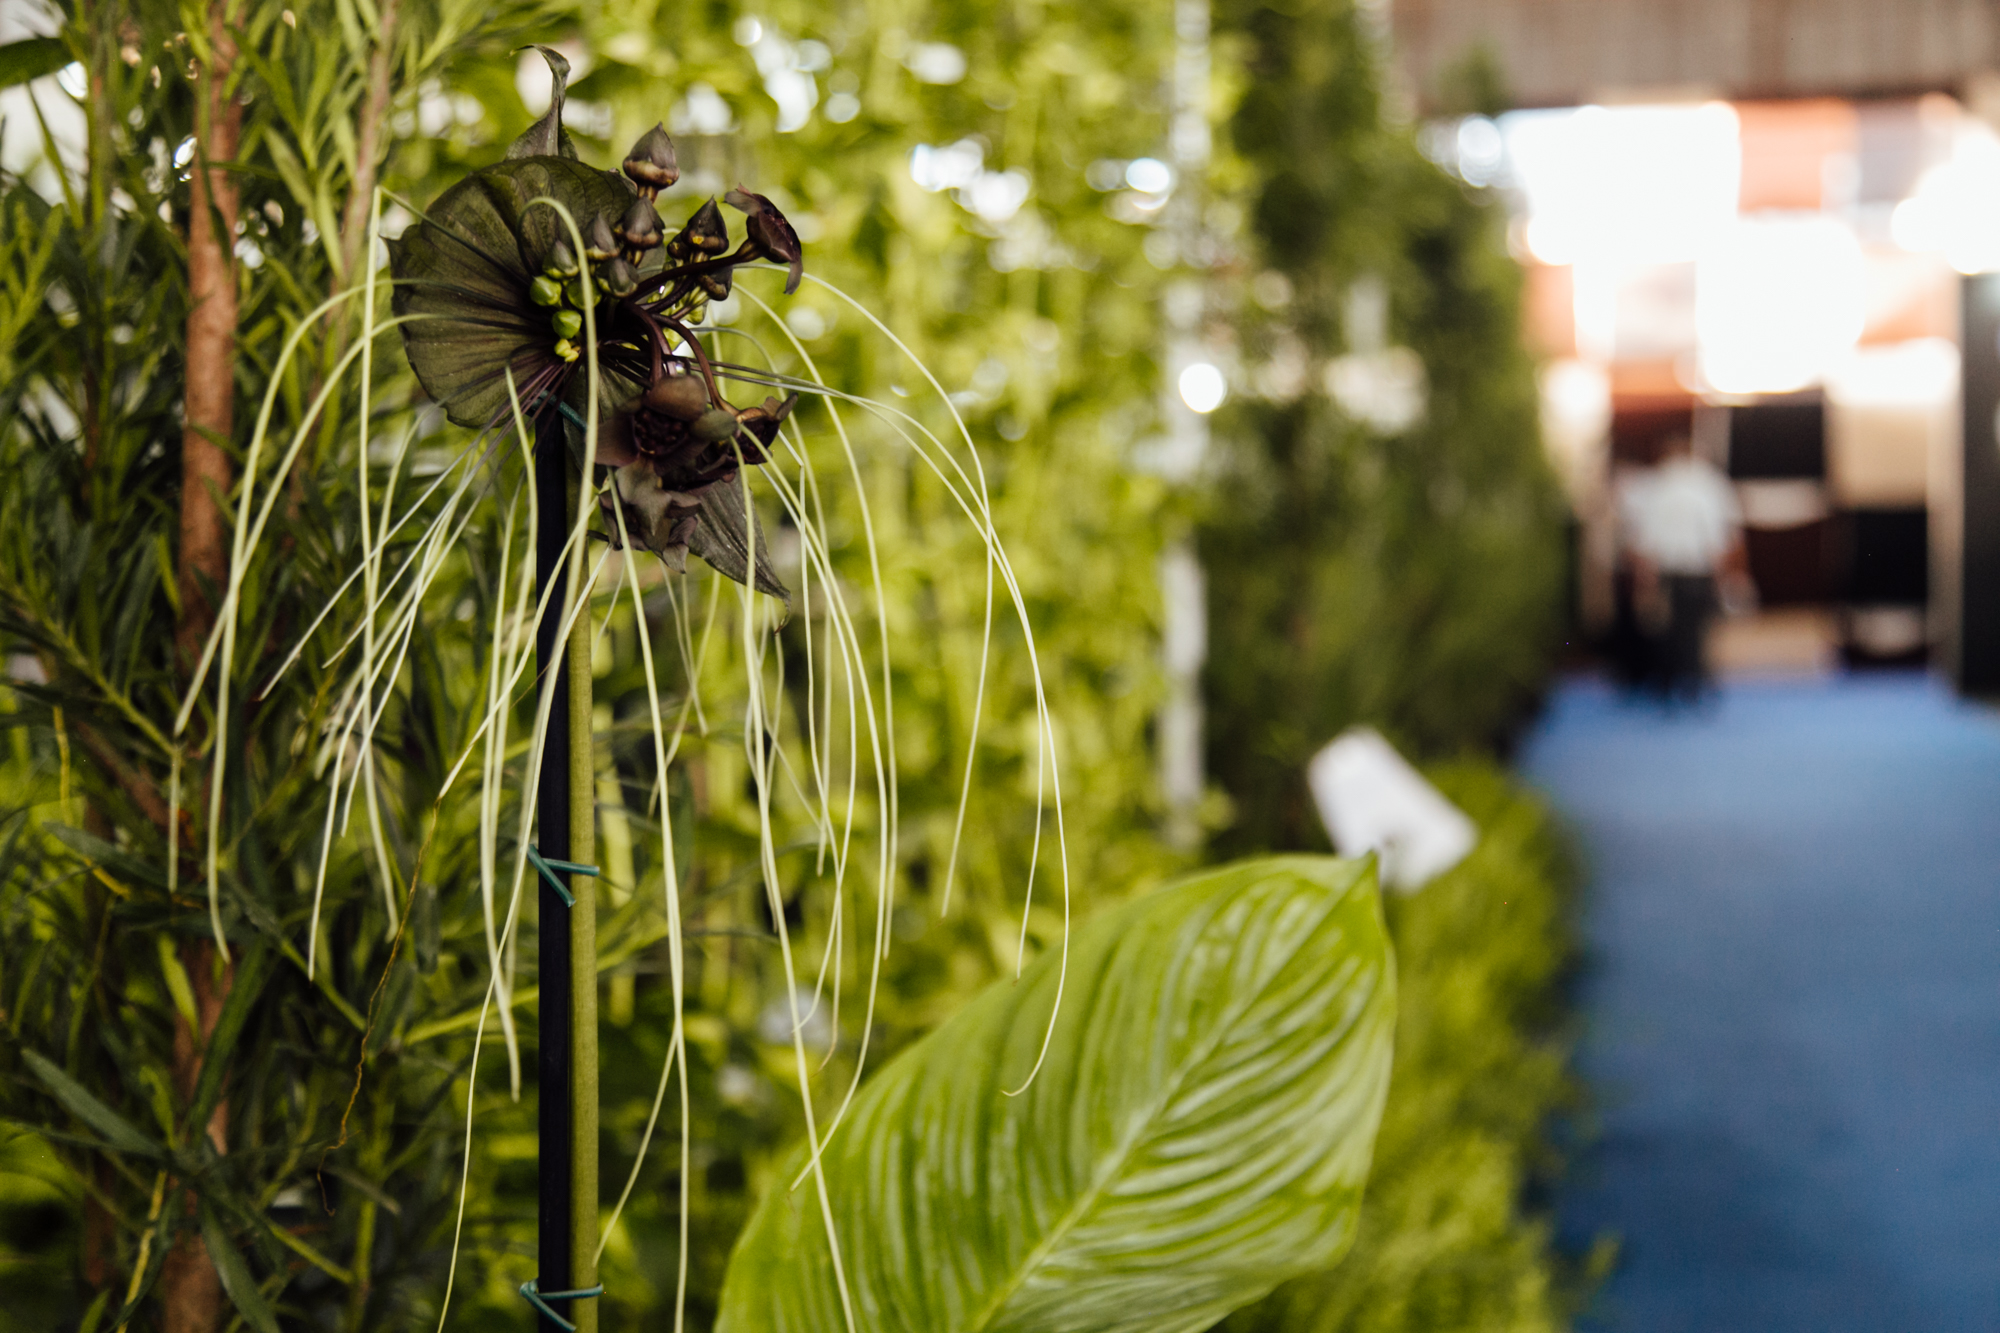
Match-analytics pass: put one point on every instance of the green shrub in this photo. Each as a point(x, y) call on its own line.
point(1413, 578)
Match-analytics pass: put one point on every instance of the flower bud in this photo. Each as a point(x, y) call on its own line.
point(620, 278)
point(763, 422)
point(567, 323)
point(705, 234)
point(566, 349)
point(770, 235)
point(562, 261)
point(651, 164)
point(544, 291)
point(598, 242)
point(641, 226)
point(714, 425)
point(683, 397)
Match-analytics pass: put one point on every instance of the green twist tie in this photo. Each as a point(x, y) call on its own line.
point(548, 869)
point(531, 1289)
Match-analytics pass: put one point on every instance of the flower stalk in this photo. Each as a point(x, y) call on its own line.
point(543, 286)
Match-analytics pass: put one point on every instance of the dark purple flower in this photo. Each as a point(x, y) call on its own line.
point(770, 235)
point(498, 294)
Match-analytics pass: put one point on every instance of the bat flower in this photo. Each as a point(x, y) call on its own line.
point(678, 457)
point(498, 291)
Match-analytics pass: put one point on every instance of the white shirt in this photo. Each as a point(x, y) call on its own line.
point(1682, 515)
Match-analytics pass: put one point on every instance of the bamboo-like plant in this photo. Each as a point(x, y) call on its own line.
point(187, 1088)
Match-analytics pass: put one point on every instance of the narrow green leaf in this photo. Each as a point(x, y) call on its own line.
point(99, 852)
point(162, 1237)
point(178, 984)
point(251, 973)
point(30, 59)
point(94, 1316)
point(115, 1129)
point(1199, 1131)
point(235, 1275)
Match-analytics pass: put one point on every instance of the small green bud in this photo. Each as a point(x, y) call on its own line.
point(543, 291)
point(562, 261)
point(566, 349)
point(581, 293)
point(714, 425)
point(567, 323)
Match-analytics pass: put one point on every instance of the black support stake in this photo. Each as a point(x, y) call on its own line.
point(552, 837)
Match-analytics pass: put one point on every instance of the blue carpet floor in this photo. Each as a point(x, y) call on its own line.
point(1791, 1005)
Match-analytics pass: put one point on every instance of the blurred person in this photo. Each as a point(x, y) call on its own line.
point(1683, 534)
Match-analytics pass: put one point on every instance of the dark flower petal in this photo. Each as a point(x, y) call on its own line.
point(721, 538)
point(466, 269)
point(614, 441)
point(770, 233)
point(547, 137)
point(763, 422)
point(656, 518)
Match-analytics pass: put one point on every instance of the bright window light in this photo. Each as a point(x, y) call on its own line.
point(1482, 152)
point(1624, 185)
point(1202, 387)
point(1955, 211)
point(1779, 303)
point(1917, 373)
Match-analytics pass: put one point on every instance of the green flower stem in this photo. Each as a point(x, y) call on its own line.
point(583, 972)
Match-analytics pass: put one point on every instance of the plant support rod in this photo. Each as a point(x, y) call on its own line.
point(567, 942)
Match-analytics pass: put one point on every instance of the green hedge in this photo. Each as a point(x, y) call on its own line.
point(1481, 1046)
point(1414, 578)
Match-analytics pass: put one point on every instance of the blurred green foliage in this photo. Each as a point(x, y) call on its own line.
point(1413, 573)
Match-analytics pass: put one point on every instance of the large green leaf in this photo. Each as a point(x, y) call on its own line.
point(1199, 1132)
